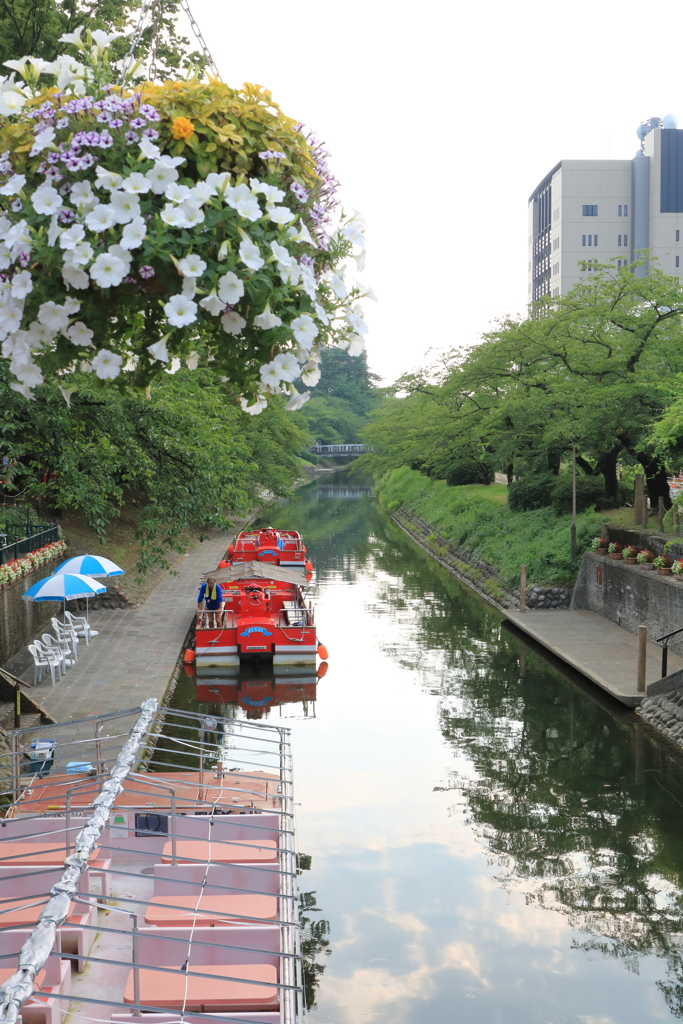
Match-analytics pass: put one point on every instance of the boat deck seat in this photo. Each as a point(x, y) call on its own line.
point(245, 852)
point(185, 991)
point(209, 910)
point(35, 854)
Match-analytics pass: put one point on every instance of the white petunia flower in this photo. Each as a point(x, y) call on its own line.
point(192, 213)
point(287, 365)
point(28, 373)
point(303, 235)
point(23, 389)
point(74, 276)
point(192, 361)
point(148, 149)
point(230, 288)
point(10, 317)
point(22, 284)
point(54, 317)
point(298, 400)
point(202, 192)
point(108, 271)
point(39, 335)
point(106, 364)
point(356, 321)
point(174, 216)
point(308, 282)
point(338, 287)
point(101, 218)
point(311, 377)
point(136, 184)
point(322, 315)
point(42, 141)
point(5, 257)
point(107, 179)
point(249, 208)
point(258, 406)
point(102, 39)
point(125, 206)
point(160, 177)
point(270, 374)
point(176, 193)
point(14, 185)
point(175, 365)
point(189, 288)
point(73, 37)
point(83, 197)
point(266, 320)
point(290, 275)
point(192, 265)
point(170, 161)
point(71, 306)
point(81, 254)
point(134, 234)
point(80, 335)
point(271, 193)
point(46, 200)
point(11, 102)
point(212, 304)
point(121, 254)
point(220, 182)
point(366, 291)
point(180, 311)
point(233, 323)
point(304, 330)
point(72, 236)
point(159, 350)
point(354, 234)
point(280, 215)
point(282, 255)
point(356, 345)
point(250, 255)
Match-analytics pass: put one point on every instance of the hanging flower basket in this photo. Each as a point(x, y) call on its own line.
point(143, 228)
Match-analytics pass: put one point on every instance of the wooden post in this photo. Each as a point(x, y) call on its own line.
point(522, 589)
point(573, 532)
point(642, 657)
point(660, 514)
point(638, 492)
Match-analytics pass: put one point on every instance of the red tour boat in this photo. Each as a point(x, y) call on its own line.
point(266, 612)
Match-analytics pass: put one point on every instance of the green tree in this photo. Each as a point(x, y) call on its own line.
point(343, 376)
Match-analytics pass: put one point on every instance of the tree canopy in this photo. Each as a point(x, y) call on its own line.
point(595, 370)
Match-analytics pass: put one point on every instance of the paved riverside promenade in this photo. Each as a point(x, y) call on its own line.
point(135, 653)
point(604, 652)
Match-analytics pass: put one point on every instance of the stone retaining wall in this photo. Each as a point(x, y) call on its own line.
point(665, 713)
point(547, 597)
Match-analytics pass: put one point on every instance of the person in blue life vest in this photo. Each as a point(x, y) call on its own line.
point(211, 595)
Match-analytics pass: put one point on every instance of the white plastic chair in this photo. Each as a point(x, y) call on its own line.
point(61, 647)
point(81, 625)
point(40, 663)
point(68, 633)
point(53, 653)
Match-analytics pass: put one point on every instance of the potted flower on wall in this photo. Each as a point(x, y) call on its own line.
point(599, 545)
point(614, 550)
point(662, 565)
point(677, 569)
point(645, 559)
point(629, 554)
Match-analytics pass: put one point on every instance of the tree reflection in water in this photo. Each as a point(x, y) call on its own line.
point(314, 941)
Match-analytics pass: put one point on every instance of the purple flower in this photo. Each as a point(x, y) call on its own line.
point(306, 261)
point(62, 123)
point(299, 191)
point(24, 258)
point(272, 154)
point(66, 216)
point(116, 122)
point(129, 280)
point(131, 137)
point(73, 163)
point(16, 206)
point(86, 161)
point(103, 116)
point(138, 122)
point(53, 158)
point(53, 175)
point(106, 140)
point(146, 272)
point(151, 133)
point(150, 112)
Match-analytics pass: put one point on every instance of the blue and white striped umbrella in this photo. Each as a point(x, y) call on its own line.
point(89, 565)
point(65, 586)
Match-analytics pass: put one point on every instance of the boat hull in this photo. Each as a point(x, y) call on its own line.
point(227, 647)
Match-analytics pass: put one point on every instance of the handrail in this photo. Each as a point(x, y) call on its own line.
point(665, 647)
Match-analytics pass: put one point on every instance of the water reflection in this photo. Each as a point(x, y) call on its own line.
point(491, 841)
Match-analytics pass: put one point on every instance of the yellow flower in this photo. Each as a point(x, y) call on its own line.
point(182, 128)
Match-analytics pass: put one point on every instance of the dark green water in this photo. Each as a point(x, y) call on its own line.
point(490, 842)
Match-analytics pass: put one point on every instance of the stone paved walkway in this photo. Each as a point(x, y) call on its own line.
point(135, 653)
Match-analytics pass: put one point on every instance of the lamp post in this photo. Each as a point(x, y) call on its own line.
point(573, 534)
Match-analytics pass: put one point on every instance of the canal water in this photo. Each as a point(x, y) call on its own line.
point(489, 840)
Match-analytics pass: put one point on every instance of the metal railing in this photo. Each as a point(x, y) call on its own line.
point(28, 538)
point(664, 641)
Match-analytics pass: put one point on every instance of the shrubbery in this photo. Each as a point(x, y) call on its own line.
point(547, 491)
point(490, 530)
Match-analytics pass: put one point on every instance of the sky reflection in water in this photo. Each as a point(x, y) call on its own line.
point(489, 843)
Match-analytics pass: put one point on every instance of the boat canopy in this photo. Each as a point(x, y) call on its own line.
point(256, 570)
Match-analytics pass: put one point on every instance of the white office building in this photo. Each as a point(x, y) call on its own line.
point(592, 211)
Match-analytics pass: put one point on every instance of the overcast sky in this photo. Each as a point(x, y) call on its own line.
point(441, 120)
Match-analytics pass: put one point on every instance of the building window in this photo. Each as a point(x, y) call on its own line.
point(618, 239)
point(556, 268)
point(556, 242)
point(583, 239)
point(678, 261)
point(590, 211)
point(620, 211)
point(556, 213)
point(621, 263)
point(590, 239)
point(625, 240)
point(678, 235)
point(626, 211)
point(556, 292)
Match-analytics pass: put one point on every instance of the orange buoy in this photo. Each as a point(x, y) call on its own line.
point(231, 549)
point(189, 656)
point(322, 669)
point(309, 576)
point(322, 652)
point(309, 567)
point(223, 564)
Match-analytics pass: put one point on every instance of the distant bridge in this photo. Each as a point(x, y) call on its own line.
point(341, 449)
